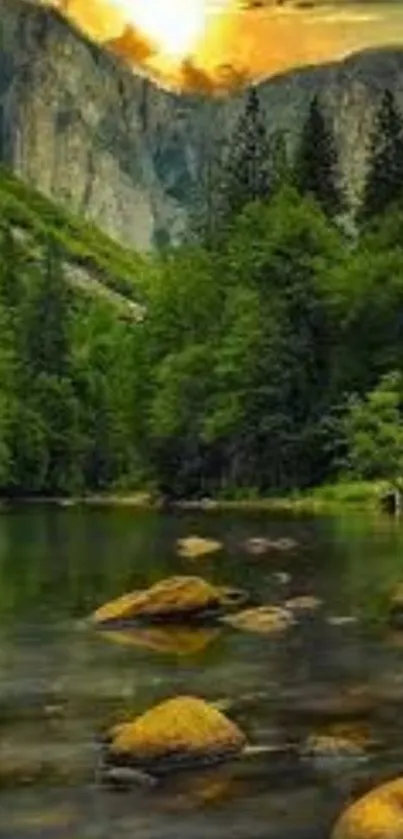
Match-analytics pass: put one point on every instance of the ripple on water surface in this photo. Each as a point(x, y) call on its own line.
point(321, 699)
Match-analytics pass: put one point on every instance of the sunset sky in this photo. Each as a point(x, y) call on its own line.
point(259, 42)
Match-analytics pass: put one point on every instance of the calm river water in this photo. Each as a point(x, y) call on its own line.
point(337, 673)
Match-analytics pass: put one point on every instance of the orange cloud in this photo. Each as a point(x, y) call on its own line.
point(255, 42)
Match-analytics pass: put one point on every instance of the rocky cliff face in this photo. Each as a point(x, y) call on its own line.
point(114, 147)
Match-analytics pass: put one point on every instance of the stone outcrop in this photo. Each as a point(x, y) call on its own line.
point(176, 600)
point(181, 732)
point(117, 149)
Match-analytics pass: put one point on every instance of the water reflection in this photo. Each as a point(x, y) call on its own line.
point(177, 640)
point(63, 685)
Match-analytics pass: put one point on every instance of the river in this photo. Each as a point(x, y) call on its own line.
point(337, 673)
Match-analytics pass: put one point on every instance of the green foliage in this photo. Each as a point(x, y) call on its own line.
point(83, 244)
point(316, 163)
point(67, 383)
point(246, 171)
point(374, 430)
point(384, 184)
point(268, 359)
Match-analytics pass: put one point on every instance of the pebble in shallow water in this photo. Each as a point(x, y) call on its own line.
point(266, 620)
point(331, 752)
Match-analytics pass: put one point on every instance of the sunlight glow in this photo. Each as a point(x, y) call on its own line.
point(176, 26)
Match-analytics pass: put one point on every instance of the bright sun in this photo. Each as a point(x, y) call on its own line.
point(174, 25)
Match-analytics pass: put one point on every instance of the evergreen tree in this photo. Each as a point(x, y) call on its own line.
point(207, 200)
point(245, 176)
point(280, 173)
point(12, 263)
point(316, 163)
point(49, 454)
point(384, 184)
point(46, 317)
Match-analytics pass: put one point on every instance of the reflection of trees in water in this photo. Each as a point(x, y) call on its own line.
point(58, 562)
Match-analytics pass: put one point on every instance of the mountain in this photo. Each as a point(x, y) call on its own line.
point(113, 147)
point(93, 264)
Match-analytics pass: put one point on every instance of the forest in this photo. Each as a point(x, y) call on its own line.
point(270, 355)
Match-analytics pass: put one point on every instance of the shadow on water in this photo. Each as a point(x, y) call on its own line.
point(334, 677)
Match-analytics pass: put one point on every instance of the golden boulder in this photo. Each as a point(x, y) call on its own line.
point(184, 731)
point(174, 599)
point(378, 815)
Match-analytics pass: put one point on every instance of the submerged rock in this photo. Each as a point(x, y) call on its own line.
point(351, 703)
point(378, 815)
point(331, 752)
point(342, 620)
point(181, 732)
point(175, 599)
point(194, 547)
point(259, 546)
point(125, 777)
point(265, 619)
point(304, 603)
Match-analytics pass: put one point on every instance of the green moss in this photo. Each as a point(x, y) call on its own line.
point(324, 499)
point(120, 269)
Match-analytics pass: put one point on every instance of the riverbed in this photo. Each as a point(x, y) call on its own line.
point(334, 676)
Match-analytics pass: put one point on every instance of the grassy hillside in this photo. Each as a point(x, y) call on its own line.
point(83, 244)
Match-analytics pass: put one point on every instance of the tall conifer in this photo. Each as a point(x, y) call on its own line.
point(246, 175)
point(384, 184)
point(316, 166)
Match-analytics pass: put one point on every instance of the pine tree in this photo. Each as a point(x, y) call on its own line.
point(384, 184)
point(280, 173)
point(316, 163)
point(245, 176)
point(12, 264)
point(46, 317)
point(205, 219)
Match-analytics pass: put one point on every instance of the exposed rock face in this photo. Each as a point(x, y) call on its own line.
point(115, 148)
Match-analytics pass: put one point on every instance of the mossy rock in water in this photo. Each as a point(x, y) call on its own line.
point(268, 620)
point(303, 603)
point(195, 547)
point(180, 733)
point(378, 815)
point(176, 599)
point(332, 752)
point(260, 545)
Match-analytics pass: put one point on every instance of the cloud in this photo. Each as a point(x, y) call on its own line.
point(132, 46)
point(276, 36)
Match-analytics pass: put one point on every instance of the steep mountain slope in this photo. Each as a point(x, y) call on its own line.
point(93, 263)
point(80, 127)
